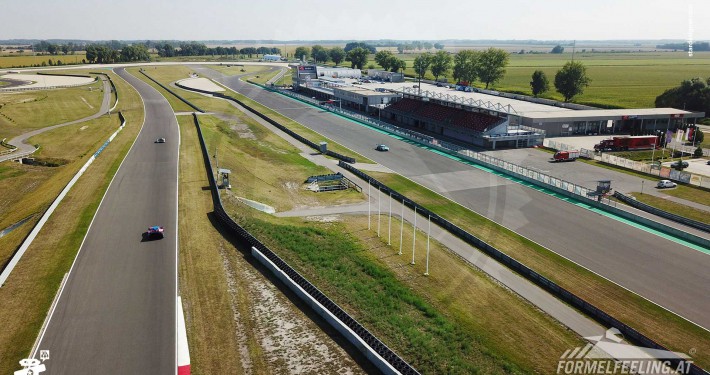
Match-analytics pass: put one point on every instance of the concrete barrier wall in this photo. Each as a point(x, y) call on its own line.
point(371, 343)
point(516, 266)
point(324, 313)
point(656, 211)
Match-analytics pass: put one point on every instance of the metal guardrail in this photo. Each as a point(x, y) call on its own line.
point(657, 211)
point(373, 342)
point(523, 270)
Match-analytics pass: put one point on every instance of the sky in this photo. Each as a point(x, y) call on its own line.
point(358, 20)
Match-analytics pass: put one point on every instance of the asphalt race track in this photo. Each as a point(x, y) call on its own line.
point(116, 314)
point(670, 274)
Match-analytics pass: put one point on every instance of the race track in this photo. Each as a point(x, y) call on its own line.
point(116, 313)
point(665, 272)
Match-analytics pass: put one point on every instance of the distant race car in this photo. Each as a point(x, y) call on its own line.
point(382, 148)
point(155, 232)
point(160, 140)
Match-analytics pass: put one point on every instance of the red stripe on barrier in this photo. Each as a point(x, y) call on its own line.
point(184, 370)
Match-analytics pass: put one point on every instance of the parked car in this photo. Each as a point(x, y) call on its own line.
point(160, 140)
point(382, 148)
point(666, 184)
point(680, 164)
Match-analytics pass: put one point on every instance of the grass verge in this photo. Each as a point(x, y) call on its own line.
point(674, 208)
point(23, 111)
point(42, 268)
point(663, 326)
point(431, 326)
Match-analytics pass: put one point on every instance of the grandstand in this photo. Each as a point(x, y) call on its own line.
point(463, 123)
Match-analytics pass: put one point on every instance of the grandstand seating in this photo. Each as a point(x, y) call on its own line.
point(444, 115)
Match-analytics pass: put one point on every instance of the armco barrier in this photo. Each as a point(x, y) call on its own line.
point(656, 211)
point(172, 92)
point(544, 283)
point(272, 122)
point(63, 75)
point(20, 251)
point(373, 348)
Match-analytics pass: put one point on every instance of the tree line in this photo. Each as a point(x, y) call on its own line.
point(200, 49)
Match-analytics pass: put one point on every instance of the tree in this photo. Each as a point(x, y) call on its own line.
point(438, 46)
point(692, 94)
point(385, 59)
point(440, 63)
point(337, 54)
point(302, 53)
point(698, 152)
point(698, 136)
point(571, 80)
point(400, 48)
point(52, 49)
point(557, 49)
point(421, 65)
point(317, 53)
point(398, 65)
point(465, 69)
point(539, 84)
point(65, 49)
point(491, 65)
point(352, 45)
point(357, 57)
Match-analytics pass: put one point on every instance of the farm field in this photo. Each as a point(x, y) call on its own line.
point(629, 80)
point(18, 61)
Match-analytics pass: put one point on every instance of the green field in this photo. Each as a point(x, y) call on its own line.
point(631, 80)
point(19, 61)
point(24, 111)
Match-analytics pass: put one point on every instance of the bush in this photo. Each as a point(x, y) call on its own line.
point(698, 153)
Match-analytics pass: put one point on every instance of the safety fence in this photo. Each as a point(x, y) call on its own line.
point(657, 211)
point(523, 270)
point(275, 123)
point(372, 342)
point(9, 266)
point(196, 108)
point(650, 169)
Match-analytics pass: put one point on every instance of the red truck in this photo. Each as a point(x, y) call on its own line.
point(567, 155)
point(639, 142)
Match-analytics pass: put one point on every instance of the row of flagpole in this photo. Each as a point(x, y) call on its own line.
point(401, 229)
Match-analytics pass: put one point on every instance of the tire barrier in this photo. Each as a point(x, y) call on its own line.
point(196, 108)
point(281, 127)
point(665, 214)
point(373, 344)
point(523, 270)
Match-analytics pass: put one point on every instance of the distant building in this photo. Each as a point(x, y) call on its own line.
point(272, 58)
point(325, 71)
point(386, 76)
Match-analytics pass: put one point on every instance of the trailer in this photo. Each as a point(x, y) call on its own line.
point(628, 143)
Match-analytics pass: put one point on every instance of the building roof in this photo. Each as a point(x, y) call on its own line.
point(611, 113)
point(365, 91)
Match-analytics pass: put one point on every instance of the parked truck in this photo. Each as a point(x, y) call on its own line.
point(624, 143)
point(567, 155)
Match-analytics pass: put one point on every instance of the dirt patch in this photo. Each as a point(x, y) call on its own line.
point(242, 130)
point(324, 219)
